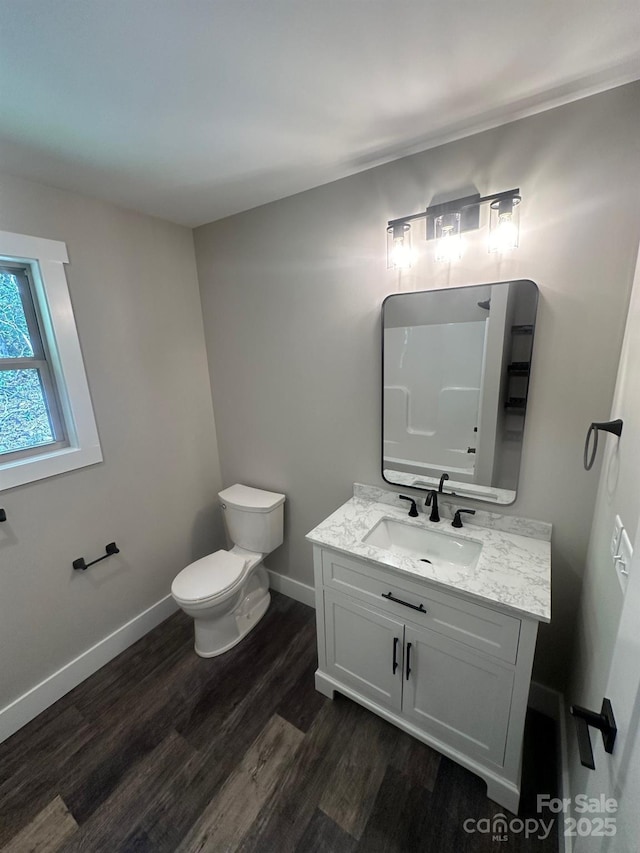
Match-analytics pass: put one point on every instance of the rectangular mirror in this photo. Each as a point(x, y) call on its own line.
point(455, 376)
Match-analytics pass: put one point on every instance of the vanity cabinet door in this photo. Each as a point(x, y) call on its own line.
point(459, 697)
point(364, 649)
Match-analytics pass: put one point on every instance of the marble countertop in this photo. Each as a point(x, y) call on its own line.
point(513, 571)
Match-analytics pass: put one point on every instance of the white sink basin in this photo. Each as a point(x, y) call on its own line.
point(429, 545)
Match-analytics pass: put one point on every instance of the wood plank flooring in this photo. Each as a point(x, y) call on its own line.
point(164, 752)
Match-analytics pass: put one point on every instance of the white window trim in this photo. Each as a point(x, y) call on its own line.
point(47, 259)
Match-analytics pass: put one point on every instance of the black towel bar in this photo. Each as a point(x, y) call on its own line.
point(110, 549)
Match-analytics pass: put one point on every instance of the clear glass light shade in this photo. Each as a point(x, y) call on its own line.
point(400, 255)
point(504, 225)
point(448, 237)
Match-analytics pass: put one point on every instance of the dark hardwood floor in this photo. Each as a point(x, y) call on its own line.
point(164, 751)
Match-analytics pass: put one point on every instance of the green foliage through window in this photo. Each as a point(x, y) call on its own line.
point(25, 419)
point(15, 341)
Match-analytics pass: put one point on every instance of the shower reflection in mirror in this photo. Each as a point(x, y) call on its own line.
point(456, 369)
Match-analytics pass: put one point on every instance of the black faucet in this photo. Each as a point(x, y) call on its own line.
point(442, 479)
point(457, 521)
point(432, 501)
point(413, 512)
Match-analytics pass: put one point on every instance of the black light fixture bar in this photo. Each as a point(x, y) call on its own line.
point(468, 207)
point(404, 219)
point(457, 205)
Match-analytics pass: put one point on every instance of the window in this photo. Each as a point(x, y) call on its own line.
point(47, 424)
point(29, 411)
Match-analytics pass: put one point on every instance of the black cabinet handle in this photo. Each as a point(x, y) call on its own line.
point(3, 515)
point(408, 660)
point(419, 607)
point(395, 657)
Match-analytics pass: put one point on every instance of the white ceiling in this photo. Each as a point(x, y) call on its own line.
point(196, 109)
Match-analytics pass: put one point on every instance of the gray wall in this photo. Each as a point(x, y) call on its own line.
point(291, 296)
point(135, 295)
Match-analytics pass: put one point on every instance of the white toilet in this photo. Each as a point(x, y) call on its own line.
point(227, 592)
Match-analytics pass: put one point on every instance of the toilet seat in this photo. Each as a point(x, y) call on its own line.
point(209, 578)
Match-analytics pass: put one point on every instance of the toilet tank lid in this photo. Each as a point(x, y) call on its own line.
point(250, 499)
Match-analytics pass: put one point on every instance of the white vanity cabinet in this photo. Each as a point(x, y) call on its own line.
point(446, 669)
point(364, 649)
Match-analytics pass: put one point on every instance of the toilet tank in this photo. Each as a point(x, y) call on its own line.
point(254, 518)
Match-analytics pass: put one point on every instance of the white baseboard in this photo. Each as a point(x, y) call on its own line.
point(551, 703)
point(21, 711)
point(294, 589)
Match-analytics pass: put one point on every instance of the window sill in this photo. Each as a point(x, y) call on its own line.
point(32, 468)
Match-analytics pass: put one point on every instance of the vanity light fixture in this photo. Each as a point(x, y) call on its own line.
point(447, 233)
point(447, 221)
point(504, 224)
point(399, 252)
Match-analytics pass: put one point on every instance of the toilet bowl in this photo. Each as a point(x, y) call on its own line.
point(227, 593)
